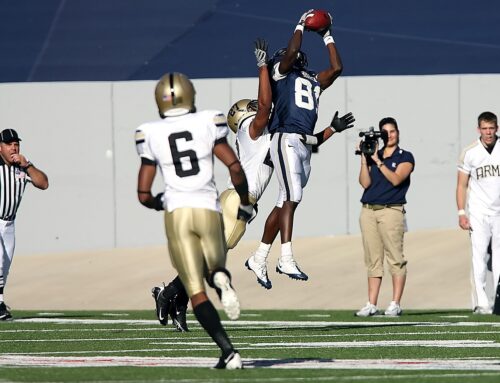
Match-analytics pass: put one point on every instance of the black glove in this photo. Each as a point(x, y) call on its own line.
point(245, 212)
point(158, 202)
point(261, 52)
point(342, 123)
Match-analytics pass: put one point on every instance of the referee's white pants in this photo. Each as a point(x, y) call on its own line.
point(292, 165)
point(8, 242)
point(484, 229)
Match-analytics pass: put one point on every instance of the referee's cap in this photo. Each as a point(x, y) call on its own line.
point(9, 135)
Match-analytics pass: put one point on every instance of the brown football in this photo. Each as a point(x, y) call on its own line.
point(317, 20)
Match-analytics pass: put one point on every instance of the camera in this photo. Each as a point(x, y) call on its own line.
point(369, 143)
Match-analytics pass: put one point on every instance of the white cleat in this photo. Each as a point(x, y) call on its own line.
point(289, 267)
point(260, 271)
point(228, 296)
point(232, 362)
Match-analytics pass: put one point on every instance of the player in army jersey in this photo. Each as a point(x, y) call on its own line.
point(182, 146)
point(479, 176)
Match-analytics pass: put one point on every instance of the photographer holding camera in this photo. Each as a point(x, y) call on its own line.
point(385, 176)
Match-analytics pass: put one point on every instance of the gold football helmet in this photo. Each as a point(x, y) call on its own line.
point(240, 111)
point(174, 95)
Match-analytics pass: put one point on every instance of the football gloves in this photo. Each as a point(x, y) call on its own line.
point(158, 202)
point(302, 19)
point(261, 52)
point(340, 124)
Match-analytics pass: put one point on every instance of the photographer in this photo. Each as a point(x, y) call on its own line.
point(385, 176)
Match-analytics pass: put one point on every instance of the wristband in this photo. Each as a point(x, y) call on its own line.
point(299, 28)
point(461, 212)
point(28, 165)
point(328, 39)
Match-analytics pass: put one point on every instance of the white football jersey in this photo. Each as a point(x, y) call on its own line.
point(254, 158)
point(182, 147)
point(484, 182)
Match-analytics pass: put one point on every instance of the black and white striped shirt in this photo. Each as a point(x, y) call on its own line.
point(13, 180)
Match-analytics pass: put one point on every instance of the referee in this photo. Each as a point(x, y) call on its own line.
point(15, 172)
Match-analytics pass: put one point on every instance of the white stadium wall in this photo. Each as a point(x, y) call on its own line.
point(81, 134)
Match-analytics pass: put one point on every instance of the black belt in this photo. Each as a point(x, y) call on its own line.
point(380, 207)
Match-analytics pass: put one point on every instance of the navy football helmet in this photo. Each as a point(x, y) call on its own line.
point(300, 61)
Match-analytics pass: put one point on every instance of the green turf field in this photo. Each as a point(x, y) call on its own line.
point(276, 346)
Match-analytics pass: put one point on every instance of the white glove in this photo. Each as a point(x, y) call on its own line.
point(261, 52)
point(302, 19)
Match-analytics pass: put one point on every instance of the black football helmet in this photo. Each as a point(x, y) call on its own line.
point(300, 61)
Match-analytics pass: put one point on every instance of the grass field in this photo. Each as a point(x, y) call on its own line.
point(276, 346)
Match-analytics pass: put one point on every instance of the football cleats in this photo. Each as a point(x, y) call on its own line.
point(240, 111)
point(174, 95)
point(300, 61)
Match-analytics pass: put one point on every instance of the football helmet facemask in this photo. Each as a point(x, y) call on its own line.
point(300, 61)
point(240, 111)
point(174, 95)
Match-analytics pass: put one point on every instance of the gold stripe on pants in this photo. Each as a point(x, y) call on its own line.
point(196, 245)
point(383, 233)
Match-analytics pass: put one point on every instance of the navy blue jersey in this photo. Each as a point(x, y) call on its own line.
point(381, 191)
point(295, 100)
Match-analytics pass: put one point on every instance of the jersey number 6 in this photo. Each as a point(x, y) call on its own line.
point(178, 155)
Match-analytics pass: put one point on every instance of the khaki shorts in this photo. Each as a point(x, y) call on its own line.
point(382, 229)
point(196, 244)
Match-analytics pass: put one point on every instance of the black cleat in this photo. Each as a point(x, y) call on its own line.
point(163, 304)
point(4, 312)
point(178, 315)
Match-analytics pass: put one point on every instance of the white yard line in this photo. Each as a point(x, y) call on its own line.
point(238, 323)
point(379, 364)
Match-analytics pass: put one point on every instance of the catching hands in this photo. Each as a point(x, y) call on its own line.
point(340, 124)
point(302, 19)
point(261, 52)
point(245, 212)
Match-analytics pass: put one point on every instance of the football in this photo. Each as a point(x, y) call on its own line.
point(317, 20)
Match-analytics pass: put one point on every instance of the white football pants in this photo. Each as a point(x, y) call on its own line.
point(484, 229)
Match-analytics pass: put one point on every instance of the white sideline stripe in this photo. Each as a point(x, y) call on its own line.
point(379, 364)
point(258, 323)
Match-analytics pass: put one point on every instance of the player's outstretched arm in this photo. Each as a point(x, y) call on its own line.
point(293, 47)
point(337, 125)
point(328, 76)
point(264, 97)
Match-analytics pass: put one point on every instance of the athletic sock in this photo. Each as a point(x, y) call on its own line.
point(209, 319)
point(286, 250)
point(262, 252)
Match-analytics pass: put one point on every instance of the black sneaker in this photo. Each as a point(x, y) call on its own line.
point(4, 312)
point(163, 304)
point(231, 362)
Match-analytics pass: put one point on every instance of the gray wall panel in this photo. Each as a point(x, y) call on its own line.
point(65, 130)
point(81, 134)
